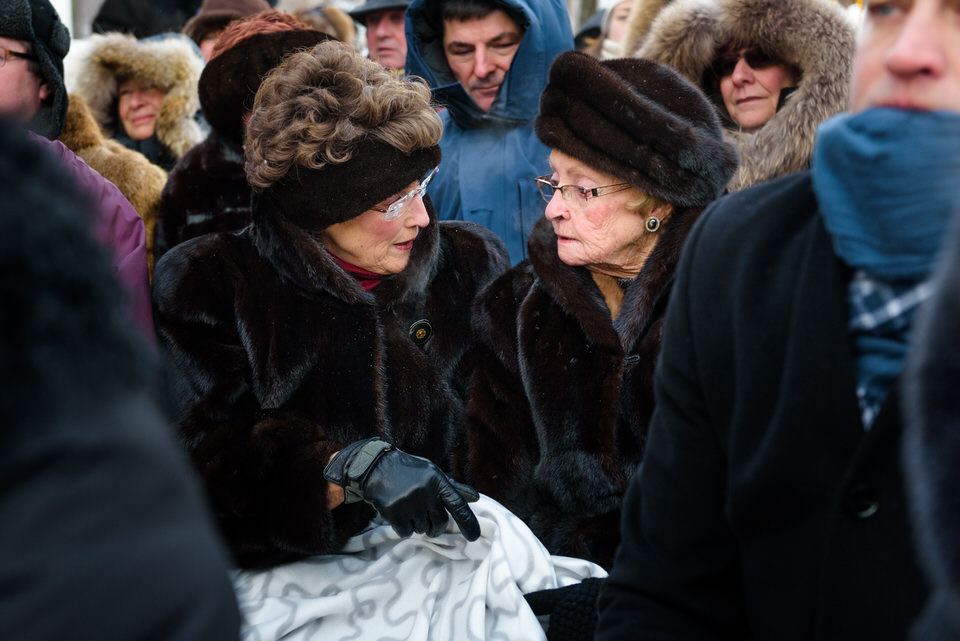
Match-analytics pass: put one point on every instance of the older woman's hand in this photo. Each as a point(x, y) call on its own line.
point(409, 492)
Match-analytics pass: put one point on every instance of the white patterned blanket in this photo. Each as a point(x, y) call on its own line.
point(382, 587)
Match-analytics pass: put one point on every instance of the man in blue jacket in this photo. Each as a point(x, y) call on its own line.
point(487, 62)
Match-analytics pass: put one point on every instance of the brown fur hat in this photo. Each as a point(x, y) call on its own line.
point(639, 121)
point(217, 14)
point(229, 82)
point(376, 172)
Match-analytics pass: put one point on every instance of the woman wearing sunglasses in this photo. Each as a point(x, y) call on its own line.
point(561, 396)
point(314, 351)
point(775, 70)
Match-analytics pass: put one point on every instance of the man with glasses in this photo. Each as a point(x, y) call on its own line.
point(770, 503)
point(487, 63)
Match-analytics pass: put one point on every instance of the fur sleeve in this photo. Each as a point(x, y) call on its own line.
point(262, 467)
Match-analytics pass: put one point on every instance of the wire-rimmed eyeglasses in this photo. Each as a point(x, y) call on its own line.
point(394, 209)
point(575, 194)
point(6, 53)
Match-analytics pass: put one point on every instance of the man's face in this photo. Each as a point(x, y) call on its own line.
point(480, 52)
point(385, 38)
point(21, 91)
point(908, 56)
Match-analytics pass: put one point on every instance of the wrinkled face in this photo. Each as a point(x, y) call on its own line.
point(604, 236)
point(908, 56)
point(480, 53)
point(22, 92)
point(138, 108)
point(618, 21)
point(377, 245)
point(751, 95)
point(385, 38)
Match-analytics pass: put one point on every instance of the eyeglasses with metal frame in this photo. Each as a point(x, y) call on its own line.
point(394, 209)
point(6, 53)
point(575, 194)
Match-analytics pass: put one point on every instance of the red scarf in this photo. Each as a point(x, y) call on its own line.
point(367, 279)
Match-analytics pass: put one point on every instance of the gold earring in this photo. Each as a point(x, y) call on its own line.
point(652, 224)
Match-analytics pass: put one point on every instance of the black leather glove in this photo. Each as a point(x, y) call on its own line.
point(410, 492)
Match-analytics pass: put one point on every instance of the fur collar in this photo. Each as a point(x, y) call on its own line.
point(574, 289)
point(301, 259)
point(816, 36)
point(168, 63)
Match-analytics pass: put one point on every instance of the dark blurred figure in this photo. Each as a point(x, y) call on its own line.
point(105, 533)
point(144, 18)
point(932, 446)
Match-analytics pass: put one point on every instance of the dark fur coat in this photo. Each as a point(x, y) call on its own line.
point(206, 191)
point(561, 395)
point(281, 359)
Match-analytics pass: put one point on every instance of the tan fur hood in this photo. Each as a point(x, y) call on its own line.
point(140, 181)
point(815, 36)
point(168, 63)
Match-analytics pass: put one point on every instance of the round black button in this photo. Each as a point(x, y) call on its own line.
point(421, 331)
point(863, 502)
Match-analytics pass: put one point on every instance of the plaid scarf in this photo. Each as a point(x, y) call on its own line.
point(881, 314)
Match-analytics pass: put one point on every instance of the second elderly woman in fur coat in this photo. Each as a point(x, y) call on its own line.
point(562, 393)
point(774, 70)
point(316, 349)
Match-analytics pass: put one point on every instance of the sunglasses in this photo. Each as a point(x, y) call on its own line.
point(755, 57)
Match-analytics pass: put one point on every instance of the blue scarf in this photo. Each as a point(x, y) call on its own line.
point(887, 182)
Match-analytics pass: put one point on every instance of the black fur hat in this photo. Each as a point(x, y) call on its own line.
point(640, 121)
point(375, 172)
point(37, 22)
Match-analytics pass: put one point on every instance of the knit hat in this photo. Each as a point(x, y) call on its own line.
point(217, 14)
point(37, 23)
point(375, 172)
point(230, 81)
point(640, 121)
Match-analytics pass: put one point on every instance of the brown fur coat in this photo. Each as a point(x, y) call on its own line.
point(815, 36)
point(561, 395)
point(140, 181)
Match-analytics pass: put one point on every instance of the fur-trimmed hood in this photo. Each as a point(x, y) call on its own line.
point(171, 63)
point(140, 181)
point(815, 36)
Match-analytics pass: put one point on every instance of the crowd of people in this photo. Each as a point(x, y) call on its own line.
point(412, 320)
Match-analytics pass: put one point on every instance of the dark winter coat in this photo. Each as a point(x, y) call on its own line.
point(931, 448)
point(561, 396)
point(206, 191)
point(763, 509)
point(281, 359)
point(105, 533)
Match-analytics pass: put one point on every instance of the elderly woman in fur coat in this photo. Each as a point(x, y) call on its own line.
point(207, 190)
point(561, 396)
point(315, 348)
point(774, 69)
